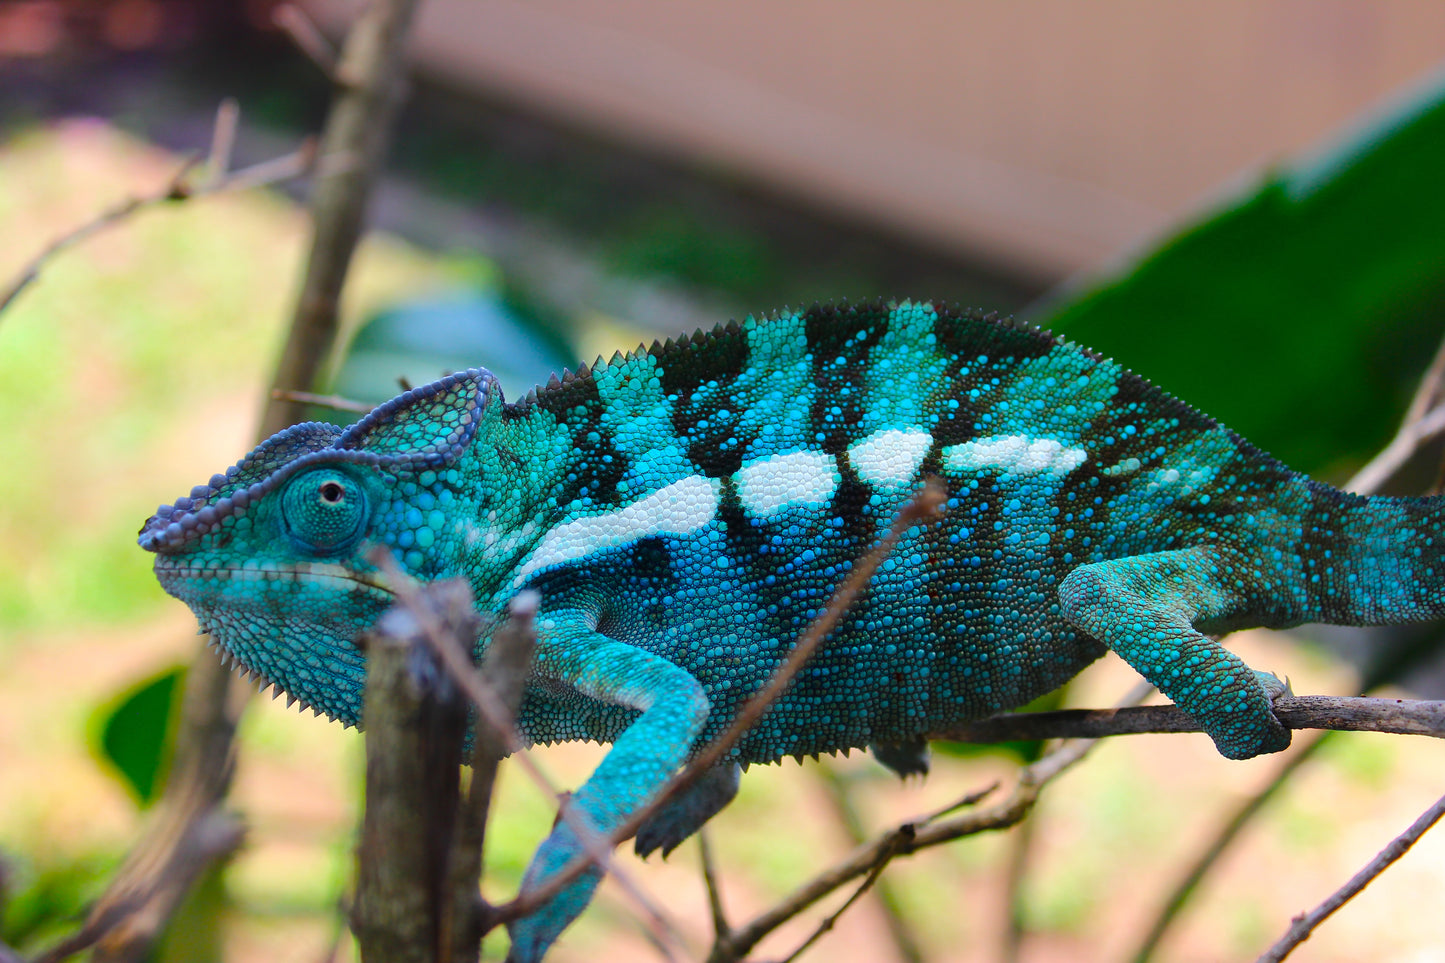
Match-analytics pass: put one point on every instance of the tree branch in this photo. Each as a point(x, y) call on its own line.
point(358, 130)
point(1302, 926)
point(415, 724)
point(509, 659)
point(910, 837)
point(178, 187)
point(487, 702)
point(1410, 717)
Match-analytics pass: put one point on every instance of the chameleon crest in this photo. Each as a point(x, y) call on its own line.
point(686, 511)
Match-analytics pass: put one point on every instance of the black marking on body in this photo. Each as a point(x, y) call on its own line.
point(715, 445)
point(596, 462)
point(849, 332)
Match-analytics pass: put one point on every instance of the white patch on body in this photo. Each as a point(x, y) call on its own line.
point(679, 509)
point(769, 485)
point(1014, 454)
point(889, 458)
point(1126, 467)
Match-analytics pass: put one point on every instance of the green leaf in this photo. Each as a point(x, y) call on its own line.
point(134, 731)
point(1300, 313)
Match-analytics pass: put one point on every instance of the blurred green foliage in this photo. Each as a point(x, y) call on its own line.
point(1300, 313)
point(131, 731)
point(46, 899)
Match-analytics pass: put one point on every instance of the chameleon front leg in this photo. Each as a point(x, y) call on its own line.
point(571, 652)
point(1144, 607)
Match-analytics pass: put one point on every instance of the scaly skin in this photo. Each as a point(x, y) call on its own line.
point(686, 511)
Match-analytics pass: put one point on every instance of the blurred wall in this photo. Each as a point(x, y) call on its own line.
point(1043, 137)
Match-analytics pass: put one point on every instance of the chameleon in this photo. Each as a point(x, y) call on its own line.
point(685, 511)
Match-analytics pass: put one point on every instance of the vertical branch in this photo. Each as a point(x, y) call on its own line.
point(369, 81)
point(509, 659)
point(415, 721)
point(356, 132)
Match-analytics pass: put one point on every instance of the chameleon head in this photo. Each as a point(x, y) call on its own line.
point(272, 556)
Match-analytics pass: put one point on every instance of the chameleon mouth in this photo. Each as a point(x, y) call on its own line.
point(190, 582)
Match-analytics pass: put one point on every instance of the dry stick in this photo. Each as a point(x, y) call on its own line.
point(122, 924)
point(307, 37)
point(414, 730)
point(1223, 837)
point(223, 139)
point(1405, 717)
point(1400, 449)
point(910, 837)
point(826, 924)
point(598, 847)
point(358, 129)
point(905, 943)
point(720, 928)
point(181, 839)
point(923, 506)
point(1016, 876)
point(176, 188)
point(203, 759)
point(334, 402)
point(1302, 926)
point(508, 661)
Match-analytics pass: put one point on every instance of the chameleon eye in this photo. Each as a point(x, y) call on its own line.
point(324, 510)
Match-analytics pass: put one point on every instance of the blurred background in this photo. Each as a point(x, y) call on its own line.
point(1241, 200)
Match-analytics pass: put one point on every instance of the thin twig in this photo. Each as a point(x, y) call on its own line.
point(177, 187)
point(923, 507)
point(826, 924)
point(1409, 717)
point(307, 37)
point(1302, 926)
point(203, 759)
point(125, 921)
point(597, 847)
point(1401, 448)
point(334, 402)
point(1020, 847)
point(910, 837)
point(839, 791)
point(720, 928)
point(353, 144)
point(223, 140)
point(1424, 420)
point(1421, 423)
point(508, 662)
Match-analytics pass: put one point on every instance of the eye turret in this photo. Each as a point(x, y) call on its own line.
point(324, 510)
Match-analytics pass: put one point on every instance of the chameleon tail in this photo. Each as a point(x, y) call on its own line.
point(1371, 560)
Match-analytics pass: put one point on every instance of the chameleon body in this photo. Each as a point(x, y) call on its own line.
point(686, 511)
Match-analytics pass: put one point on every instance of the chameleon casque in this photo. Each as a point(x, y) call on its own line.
point(686, 511)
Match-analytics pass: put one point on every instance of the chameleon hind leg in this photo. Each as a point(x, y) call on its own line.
point(1145, 607)
point(673, 708)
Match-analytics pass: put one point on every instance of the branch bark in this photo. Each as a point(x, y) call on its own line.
point(1409, 717)
point(415, 720)
point(1303, 925)
point(369, 81)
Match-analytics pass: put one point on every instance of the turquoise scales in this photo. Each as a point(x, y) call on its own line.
point(686, 511)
